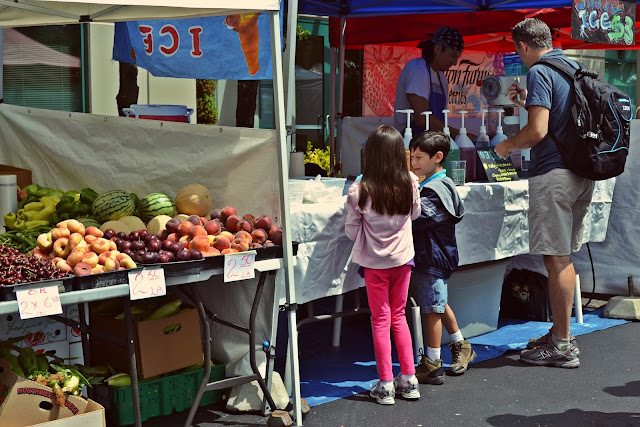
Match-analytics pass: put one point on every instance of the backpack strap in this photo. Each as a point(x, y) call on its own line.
point(569, 71)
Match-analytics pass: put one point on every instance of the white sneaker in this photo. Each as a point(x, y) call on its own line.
point(409, 389)
point(384, 395)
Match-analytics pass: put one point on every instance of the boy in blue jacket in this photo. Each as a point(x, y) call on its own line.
point(436, 257)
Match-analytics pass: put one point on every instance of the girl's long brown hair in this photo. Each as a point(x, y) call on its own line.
point(386, 178)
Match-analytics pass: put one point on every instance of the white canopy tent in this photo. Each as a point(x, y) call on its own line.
point(20, 13)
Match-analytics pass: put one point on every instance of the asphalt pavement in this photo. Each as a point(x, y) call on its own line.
point(603, 391)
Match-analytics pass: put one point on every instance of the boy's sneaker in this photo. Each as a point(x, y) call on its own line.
point(543, 339)
point(384, 395)
point(409, 389)
point(550, 355)
point(430, 371)
point(462, 354)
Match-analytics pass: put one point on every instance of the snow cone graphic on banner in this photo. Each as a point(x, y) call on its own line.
point(383, 65)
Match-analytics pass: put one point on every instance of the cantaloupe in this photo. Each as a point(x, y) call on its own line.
point(157, 224)
point(193, 199)
point(133, 222)
point(116, 226)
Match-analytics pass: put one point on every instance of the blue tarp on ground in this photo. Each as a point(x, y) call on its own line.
point(329, 374)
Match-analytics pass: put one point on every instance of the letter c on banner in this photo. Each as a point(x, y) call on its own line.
point(170, 49)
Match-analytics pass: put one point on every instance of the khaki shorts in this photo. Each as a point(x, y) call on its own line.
point(558, 203)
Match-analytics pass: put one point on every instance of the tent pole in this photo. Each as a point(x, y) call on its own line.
point(332, 111)
point(290, 73)
point(281, 135)
point(1, 63)
point(343, 26)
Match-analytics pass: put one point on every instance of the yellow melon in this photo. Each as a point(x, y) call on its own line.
point(194, 199)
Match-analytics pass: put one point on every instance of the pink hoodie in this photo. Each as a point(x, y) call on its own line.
point(381, 241)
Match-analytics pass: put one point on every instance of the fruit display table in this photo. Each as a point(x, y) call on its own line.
point(247, 319)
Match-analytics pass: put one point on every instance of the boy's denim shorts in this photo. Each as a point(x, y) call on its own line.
point(429, 291)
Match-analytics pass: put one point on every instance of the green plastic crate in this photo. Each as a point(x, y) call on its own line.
point(163, 396)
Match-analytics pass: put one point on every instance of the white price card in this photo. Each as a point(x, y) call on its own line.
point(37, 302)
point(239, 266)
point(147, 283)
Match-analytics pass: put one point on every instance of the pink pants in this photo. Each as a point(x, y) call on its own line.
point(387, 292)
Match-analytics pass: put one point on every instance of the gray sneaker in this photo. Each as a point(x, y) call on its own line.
point(543, 339)
point(409, 389)
point(549, 355)
point(384, 395)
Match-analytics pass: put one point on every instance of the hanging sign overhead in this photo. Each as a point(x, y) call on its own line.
point(603, 21)
point(220, 47)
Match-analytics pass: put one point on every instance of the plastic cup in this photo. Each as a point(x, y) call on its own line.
point(458, 171)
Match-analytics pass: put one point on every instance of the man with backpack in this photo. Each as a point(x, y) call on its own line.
point(558, 198)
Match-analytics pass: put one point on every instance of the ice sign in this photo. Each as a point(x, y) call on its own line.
point(37, 302)
point(239, 266)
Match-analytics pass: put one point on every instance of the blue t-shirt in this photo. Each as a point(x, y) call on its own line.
point(552, 89)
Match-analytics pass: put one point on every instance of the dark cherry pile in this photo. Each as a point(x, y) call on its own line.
point(145, 248)
point(16, 267)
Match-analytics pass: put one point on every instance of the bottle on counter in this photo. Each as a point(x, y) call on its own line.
point(454, 152)
point(499, 136)
point(483, 142)
point(467, 150)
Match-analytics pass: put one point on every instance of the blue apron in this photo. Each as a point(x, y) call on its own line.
point(437, 101)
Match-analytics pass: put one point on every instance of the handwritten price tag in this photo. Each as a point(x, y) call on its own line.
point(147, 283)
point(37, 302)
point(239, 266)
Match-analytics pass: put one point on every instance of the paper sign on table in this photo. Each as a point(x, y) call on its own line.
point(147, 283)
point(239, 266)
point(37, 302)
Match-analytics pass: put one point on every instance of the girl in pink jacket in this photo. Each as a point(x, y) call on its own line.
point(380, 209)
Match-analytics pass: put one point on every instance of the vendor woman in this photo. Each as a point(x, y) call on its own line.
point(422, 85)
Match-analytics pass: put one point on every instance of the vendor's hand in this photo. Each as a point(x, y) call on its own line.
point(517, 94)
point(502, 150)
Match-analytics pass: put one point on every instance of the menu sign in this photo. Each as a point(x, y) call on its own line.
point(603, 21)
point(497, 169)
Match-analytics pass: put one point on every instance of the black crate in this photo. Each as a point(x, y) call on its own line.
point(180, 268)
point(101, 280)
point(7, 292)
point(270, 252)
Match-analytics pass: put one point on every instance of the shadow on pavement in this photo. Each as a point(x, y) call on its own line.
point(631, 389)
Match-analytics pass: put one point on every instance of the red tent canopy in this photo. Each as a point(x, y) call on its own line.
point(488, 30)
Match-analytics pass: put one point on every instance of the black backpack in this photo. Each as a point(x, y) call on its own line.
point(597, 146)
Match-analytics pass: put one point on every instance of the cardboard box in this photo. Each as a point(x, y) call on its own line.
point(39, 330)
point(71, 312)
point(23, 176)
point(60, 348)
point(156, 352)
point(26, 403)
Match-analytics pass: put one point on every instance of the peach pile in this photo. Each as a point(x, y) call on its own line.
point(226, 232)
point(73, 249)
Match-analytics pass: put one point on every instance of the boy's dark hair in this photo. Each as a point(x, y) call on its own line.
point(431, 142)
point(533, 32)
point(386, 179)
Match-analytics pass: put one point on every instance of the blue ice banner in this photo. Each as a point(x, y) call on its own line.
point(234, 47)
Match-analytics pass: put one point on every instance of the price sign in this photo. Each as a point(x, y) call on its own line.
point(239, 266)
point(37, 302)
point(147, 283)
point(497, 169)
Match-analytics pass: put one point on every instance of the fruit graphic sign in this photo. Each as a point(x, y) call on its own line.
point(221, 47)
point(603, 21)
point(383, 65)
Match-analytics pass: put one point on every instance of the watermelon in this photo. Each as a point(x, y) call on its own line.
point(112, 205)
point(88, 222)
point(155, 204)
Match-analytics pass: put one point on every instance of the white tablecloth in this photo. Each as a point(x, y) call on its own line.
point(495, 227)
